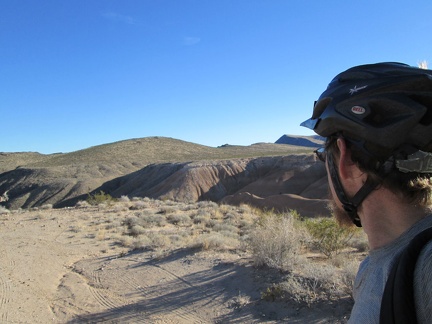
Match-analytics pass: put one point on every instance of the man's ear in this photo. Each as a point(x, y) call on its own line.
point(347, 168)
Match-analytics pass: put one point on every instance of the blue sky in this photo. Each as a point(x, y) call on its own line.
point(75, 74)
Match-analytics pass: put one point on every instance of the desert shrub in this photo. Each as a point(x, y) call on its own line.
point(159, 240)
point(299, 289)
point(154, 220)
point(124, 199)
point(222, 227)
point(104, 206)
point(211, 223)
point(276, 242)
point(239, 301)
point(295, 214)
point(207, 204)
point(126, 241)
point(82, 204)
point(99, 198)
point(216, 214)
point(215, 241)
point(120, 208)
point(322, 279)
point(147, 240)
point(131, 221)
point(229, 234)
point(167, 210)
point(317, 282)
point(359, 242)
point(138, 204)
point(141, 243)
point(188, 207)
point(274, 292)
point(136, 230)
point(176, 239)
point(231, 216)
point(201, 219)
point(146, 221)
point(101, 234)
point(244, 209)
point(178, 219)
point(245, 226)
point(113, 225)
point(4, 210)
point(328, 236)
point(164, 198)
point(203, 212)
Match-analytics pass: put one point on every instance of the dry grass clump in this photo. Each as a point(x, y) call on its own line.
point(277, 242)
point(216, 241)
point(312, 282)
point(124, 199)
point(179, 219)
point(239, 301)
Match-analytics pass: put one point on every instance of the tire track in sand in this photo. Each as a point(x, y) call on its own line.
point(101, 293)
point(99, 283)
point(168, 300)
point(5, 288)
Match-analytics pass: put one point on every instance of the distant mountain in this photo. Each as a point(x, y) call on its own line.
point(305, 141)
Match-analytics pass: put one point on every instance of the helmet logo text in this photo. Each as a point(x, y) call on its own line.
point(358, 110)
point(355, 89)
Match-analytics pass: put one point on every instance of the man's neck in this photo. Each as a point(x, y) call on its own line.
point(385, 217)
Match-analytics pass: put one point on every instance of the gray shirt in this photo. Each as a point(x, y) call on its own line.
point(374, 270)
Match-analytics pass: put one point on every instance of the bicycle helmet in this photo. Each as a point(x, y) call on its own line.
point(385, 109)
point(384, 105)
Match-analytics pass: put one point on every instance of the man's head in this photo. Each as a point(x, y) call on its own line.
point(383, 112)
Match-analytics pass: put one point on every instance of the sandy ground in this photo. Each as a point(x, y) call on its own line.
point(56, 268)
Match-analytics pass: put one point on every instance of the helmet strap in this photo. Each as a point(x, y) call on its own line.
point(349, 205)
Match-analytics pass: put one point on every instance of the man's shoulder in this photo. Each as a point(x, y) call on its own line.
point(409, 284)
point(424, 262)
point(423, 284)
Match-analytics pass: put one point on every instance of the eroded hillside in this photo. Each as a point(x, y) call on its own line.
point(265, 175)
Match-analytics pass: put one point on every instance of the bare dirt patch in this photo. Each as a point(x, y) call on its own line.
point(64, 266)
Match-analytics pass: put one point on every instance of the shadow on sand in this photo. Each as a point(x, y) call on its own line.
point(222, 292)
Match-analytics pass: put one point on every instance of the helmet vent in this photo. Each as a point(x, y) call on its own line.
point(384, 112)
point(425, 101)
point(320, 106)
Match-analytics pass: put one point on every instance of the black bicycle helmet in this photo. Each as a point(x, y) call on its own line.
point(382, 106)
point(385, 109)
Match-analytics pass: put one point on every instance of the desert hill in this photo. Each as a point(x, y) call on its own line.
point(144, 151)
point(308, 141)
point(264, 174)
